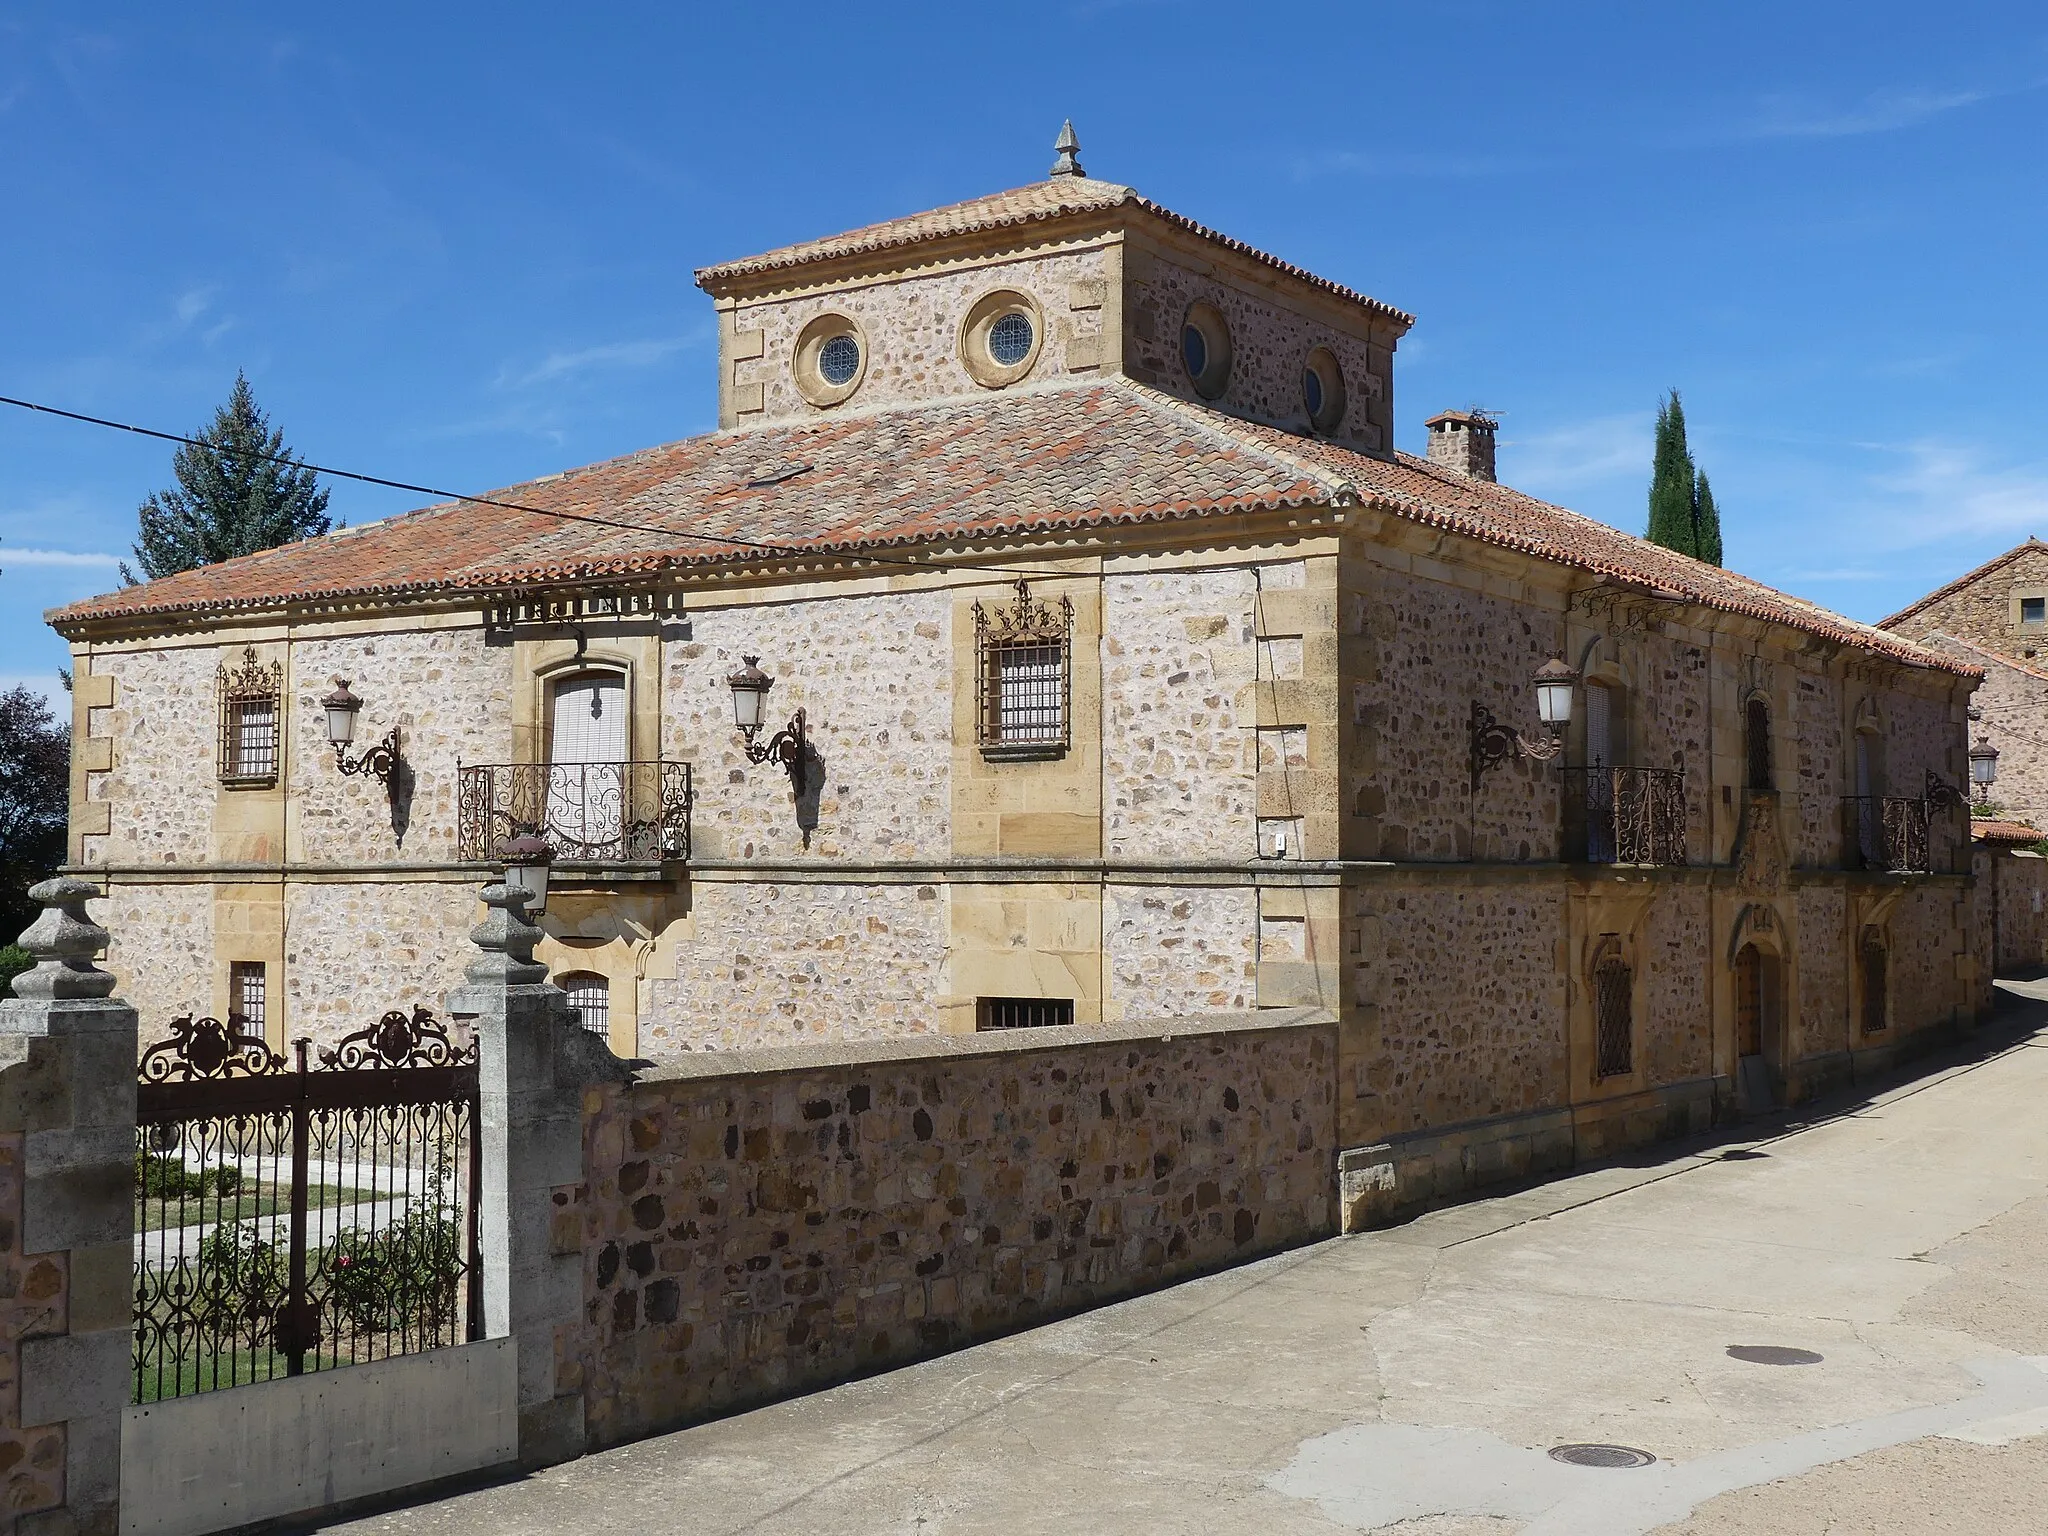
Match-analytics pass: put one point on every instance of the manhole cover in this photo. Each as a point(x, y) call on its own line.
point(1601, 1455)
point(1774, 1354)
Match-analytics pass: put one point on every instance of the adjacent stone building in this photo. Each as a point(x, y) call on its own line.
point(1996, 618)
point(1139, 675)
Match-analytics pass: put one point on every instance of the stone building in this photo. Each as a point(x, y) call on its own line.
point(1996, 618)
point(1139, 676)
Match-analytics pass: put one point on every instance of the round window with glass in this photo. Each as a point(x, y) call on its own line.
point(839, 359)
point(1009, 339)
point(1322, 390)
point(1205, 350)
point(1194, 350)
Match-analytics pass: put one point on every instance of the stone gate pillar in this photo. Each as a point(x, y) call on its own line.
point(533, 1062)
point(67, 1169)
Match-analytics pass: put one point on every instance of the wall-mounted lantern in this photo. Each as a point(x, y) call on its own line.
point(1983, 767)
point(1493, 743)
point(527, 861)
point(380, 761)
point(788, 746)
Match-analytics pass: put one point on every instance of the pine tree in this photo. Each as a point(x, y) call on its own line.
point(238, 491)
point(1682, 512)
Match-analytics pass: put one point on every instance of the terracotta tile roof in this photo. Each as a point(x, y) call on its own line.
point(1040, 202)
point(1017, 463)
point(2004, 832)
point(1942, 640)
point(1962, 581)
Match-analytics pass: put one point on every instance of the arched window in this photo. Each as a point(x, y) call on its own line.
point(591, 996)
point(1614, 1015)
point(587, 773)
point(1872, 962)
point(1757, 739)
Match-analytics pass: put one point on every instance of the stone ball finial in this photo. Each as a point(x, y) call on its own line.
point(65, 941)
point(1067, 146)
point(507, 940)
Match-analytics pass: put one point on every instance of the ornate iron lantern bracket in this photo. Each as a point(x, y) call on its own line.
point(788, 747)
point(379, 761)
point(1494, 744)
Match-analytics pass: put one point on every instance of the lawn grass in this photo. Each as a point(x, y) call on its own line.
point(254, 1201)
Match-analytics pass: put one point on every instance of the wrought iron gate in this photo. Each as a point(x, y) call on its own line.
point(300, 1218)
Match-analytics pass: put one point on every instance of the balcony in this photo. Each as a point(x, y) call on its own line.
point(1626, 815)
point(590, 813)
point(1899, 835)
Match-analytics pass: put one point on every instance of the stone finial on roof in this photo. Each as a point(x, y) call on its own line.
point(1068, 146)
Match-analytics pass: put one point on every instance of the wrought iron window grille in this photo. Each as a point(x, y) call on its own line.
point(1022, 1012)
point(249, 698)
point(1023, 677)
point(1613, 1016)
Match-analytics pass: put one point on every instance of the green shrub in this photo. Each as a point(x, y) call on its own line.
point(241, 1277)
point(13, 961)
point(405, 1276)
point(167, 1178)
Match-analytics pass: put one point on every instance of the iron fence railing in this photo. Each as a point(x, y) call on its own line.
point(589, 813)
point(296, 1219)
point(1629, 815)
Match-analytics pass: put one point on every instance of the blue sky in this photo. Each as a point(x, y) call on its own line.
point(452, 244)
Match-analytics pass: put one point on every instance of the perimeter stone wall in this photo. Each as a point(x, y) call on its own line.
point(355, 951)
point(1269, 347)
point(773, 1222)
point(34, 1303)
point(449, 694)
point(873, 675)
point(775, 964)
point(1179, 711)
point(162, 951)
point(912, 326)
point(1180, 950)
point(2021, 918)
point(164, 723)
point(1464, 1003)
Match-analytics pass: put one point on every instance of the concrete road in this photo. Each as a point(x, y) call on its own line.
point(1414, 1380)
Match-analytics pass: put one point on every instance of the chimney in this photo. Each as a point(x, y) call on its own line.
point(1462, 442)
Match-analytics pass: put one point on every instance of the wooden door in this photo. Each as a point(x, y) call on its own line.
point(1749, 1002)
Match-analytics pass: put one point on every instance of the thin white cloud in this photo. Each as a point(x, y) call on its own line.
point(1792, 117)
point(56, 557)
point(1950, 491)
point(1563, 459)
point(644, 353)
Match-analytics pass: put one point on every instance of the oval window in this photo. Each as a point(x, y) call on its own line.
point(1312, 391)
point(1194, 350)
point(1322, 390)
point(1205, 350)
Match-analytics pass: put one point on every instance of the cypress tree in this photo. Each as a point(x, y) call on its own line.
point(238, 491)
point(1682, 512)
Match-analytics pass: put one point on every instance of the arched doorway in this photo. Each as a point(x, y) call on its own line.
point(587, 753)
point(1758, 1047)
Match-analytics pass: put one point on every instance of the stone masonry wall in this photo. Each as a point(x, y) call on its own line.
point(1465, 1000)
point(355, 951)
point(1821, 773)
point(1677, 1030)
point(871, 674)
point(1982, 612)
point(164, 722)
point(1924, 948)
point(1180, 950)
point(162, 951)
point(913, 332)
point(1179, 715)
point(449, 694)
point(34, 1301)
point(1436, 648)
point(776, 1223)
point(2014, 703)
point(1269, 350)
point(775, 964)
point(1824, 1003)
point(2022, 920)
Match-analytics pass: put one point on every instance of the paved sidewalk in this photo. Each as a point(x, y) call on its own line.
point(1414, 1379)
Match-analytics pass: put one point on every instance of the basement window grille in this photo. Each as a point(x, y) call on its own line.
point(591, 997)
point(1022, 1012)
point(1024, 676)
point(248, 995)
point(1614, 1016)
point(249, 697)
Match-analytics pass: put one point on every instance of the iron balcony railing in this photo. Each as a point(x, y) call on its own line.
point(1905, 836)
point(1628, 815)
point(589, 813)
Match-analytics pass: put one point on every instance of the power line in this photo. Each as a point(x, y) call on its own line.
point(514, 506)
